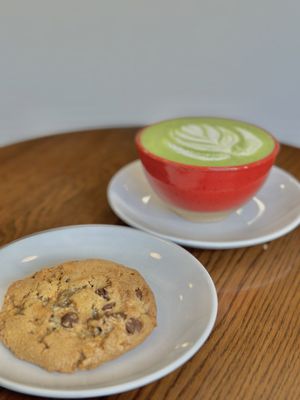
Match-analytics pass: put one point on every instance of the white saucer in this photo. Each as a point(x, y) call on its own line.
point(273, 212)
point(185, 295)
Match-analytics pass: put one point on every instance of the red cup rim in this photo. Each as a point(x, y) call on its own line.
point(268, 157)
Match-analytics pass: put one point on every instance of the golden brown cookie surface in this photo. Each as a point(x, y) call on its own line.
point(77, 315)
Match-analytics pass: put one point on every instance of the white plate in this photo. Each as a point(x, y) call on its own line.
point(273, 212)
point(185, 295)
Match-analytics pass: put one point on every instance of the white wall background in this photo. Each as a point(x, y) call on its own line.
point(70, 64)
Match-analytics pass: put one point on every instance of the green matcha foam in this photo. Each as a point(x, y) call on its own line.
point(207, 141)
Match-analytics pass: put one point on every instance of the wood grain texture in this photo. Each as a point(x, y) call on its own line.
point(254, 349)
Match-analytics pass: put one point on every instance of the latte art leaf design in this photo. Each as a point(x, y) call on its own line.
point(213, 143)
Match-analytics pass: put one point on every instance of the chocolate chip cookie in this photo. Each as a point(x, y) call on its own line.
point(77, 315)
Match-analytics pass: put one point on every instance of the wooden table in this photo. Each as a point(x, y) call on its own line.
point(254, 349)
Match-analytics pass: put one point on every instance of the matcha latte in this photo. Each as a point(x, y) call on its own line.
point(207, 141)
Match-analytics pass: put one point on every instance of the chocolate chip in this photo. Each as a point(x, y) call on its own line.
point(133, 325)
point(64, 298)
point(103, 293)
point(139, 293)
point(108, 314)
point(69, 319)
point(122, 315)
point(19, 310)
point(95, 314)
point(97, 331)
point(44, 300)
point(108, 306)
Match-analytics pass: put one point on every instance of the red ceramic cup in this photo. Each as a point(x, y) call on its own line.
point(203, 193)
